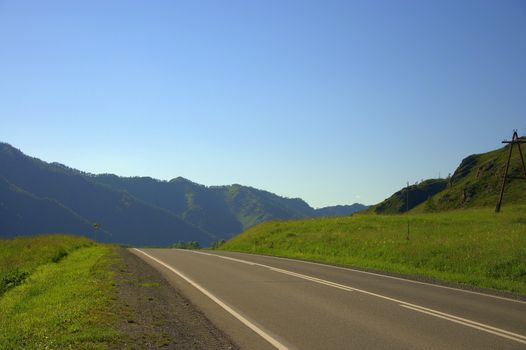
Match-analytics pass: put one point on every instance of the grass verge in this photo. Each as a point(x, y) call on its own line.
point(20, 256)
point(66, 299)
point(475, 247)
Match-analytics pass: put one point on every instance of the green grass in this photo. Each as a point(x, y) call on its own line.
point(20, 256)
point(475, 246)
point(65, 300)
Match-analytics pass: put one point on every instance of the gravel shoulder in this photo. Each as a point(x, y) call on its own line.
point(154, 315)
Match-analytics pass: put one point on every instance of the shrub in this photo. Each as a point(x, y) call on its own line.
point(12, 279)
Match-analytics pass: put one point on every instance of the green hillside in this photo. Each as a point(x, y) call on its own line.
point(478, 180)
point(472, 246)
point(410, 197)
point(455, 234)
point(475, 183)
point(252, 206)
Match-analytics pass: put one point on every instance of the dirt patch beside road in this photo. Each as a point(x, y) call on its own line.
point(154, 315)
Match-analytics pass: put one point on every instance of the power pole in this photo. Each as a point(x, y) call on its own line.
point(407, 209)
point(514, 141)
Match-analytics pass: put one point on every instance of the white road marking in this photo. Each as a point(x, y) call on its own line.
point(286, 272)
point(473, 324)
point(387, 276)
point(234, 313)
point(468, 324)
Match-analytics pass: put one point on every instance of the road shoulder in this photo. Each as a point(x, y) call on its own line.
point(154, 315)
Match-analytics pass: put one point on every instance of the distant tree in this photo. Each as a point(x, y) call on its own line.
point(192, 245)
point(186, 245)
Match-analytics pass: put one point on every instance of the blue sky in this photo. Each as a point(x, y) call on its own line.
point(331, 101)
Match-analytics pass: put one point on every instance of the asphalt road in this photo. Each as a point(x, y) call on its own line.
point(265, 302)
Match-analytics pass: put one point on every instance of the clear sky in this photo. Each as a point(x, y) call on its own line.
point(331, 101)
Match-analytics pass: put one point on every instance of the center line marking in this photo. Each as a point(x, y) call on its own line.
point(452, 318)
point(468, 324)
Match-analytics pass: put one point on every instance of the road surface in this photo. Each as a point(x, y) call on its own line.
point(266, 303)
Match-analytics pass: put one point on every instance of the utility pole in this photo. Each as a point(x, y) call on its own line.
point(407, 209)
point(514, 141)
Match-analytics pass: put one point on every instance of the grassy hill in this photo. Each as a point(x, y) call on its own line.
point(471, 246)
point(410, 197)
point(455, 234)
point(475, 183)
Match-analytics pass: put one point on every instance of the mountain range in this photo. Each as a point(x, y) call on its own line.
point(40, 197)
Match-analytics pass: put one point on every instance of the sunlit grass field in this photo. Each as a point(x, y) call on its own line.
point(20, 256)
point(475, 246)
point(62, 298)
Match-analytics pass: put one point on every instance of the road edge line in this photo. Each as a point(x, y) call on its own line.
point(227, 308)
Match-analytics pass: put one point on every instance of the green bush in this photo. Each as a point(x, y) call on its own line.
point(59, 255)
point(11, 279)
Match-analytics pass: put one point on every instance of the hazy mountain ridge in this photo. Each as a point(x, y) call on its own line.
point(125, 218)
point(21, 210)
point(221, 210)
point(340, 210)
point(133, 210)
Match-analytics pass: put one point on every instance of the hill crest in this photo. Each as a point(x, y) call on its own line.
point(476, 182)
